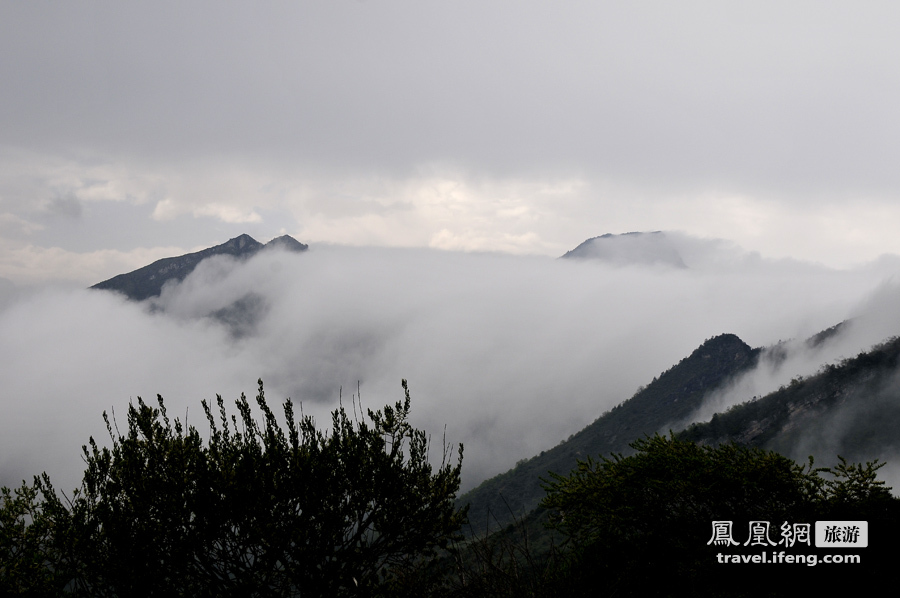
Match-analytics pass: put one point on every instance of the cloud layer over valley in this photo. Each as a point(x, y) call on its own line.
point(511, 354)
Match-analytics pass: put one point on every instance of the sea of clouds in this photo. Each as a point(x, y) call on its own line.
point(507, 355)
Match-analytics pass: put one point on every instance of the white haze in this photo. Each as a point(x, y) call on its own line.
point(874, 319)
point(860, 428)
point(509, 354)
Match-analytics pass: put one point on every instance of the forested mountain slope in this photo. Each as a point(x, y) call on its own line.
point(672, 397)
point(851, 409)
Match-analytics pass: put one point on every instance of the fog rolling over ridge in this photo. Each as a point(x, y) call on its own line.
point(874, 319)
point(509, 354)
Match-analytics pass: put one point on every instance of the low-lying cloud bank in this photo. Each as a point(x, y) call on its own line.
point(510, 354)
point(875, 318)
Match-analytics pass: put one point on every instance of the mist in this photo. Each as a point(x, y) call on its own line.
point(864, 422)
point(876, 317)
point(508, 355)
point(862, 427)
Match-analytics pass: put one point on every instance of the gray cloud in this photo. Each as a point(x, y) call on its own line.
point(67, 207)
point(767, 98)
point(511, 126)
point(512, 354)
point(7, 292)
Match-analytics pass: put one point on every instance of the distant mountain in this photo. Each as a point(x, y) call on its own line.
point(286, 243)
point(850, 409)
point(653, 248)
point(672, 397)
point(148, 281)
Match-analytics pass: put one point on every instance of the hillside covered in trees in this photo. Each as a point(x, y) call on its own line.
point(671, 397)
point(258, 509)
point(851, 408)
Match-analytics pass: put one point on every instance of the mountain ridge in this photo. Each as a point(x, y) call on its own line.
point(147, 282)
point(642, 248)
point(847, 408)
point(670, 397)
point(851, 409)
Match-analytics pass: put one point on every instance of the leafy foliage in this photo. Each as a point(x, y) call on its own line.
point(640, 525)
point(256, 510)
point(669, 483)
point(30, 562)
point(272, 505)
point(520, 559)
point(854, 491)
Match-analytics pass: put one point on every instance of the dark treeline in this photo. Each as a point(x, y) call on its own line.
point(260, 509)
point(254, 510)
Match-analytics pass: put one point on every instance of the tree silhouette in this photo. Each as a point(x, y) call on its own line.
point(257, 509)
point(642, 525)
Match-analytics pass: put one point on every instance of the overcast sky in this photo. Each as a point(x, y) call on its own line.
point(133, 131)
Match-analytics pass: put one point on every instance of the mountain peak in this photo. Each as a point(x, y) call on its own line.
point(243, 241)
point(644, 248)
point(148, 281)
point(724, 344)
point(286, 242)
